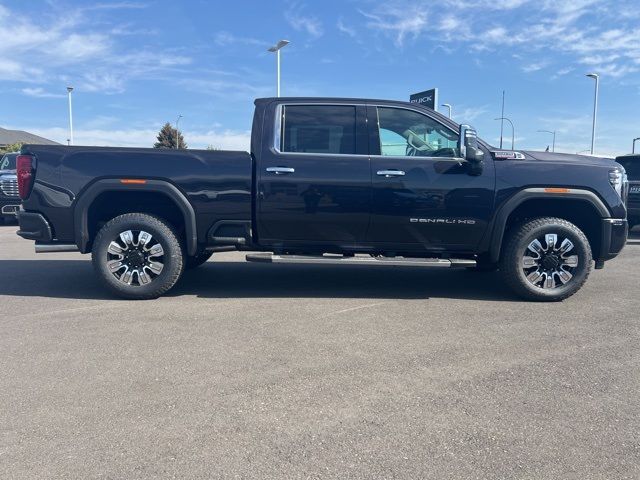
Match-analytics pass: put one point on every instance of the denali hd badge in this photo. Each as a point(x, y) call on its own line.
point(446, 221)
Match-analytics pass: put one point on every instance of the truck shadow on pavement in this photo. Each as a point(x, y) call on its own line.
point(237, 279)
point(230, 279)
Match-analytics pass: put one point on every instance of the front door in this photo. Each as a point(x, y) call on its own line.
point(314, 182)
point(424, 195)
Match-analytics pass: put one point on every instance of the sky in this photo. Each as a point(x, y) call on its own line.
point(135, 65)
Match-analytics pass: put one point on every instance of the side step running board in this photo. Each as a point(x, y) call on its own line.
point(360, 260)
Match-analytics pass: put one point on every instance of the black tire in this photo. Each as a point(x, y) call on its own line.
point(197, 260)
point(171, 260)
point(551, 262)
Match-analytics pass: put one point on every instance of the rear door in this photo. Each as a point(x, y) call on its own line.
point(314, 183)
point(424, 196)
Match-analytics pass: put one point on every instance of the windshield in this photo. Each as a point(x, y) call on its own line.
point(8, 161)
point(632, 165)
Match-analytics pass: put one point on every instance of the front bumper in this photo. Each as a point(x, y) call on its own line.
point(614, 237)
point(9, 206)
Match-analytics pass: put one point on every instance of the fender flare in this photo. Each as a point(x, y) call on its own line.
point(86, 198)
point(500, 221)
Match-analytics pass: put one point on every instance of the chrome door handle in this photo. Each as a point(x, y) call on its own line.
point(280, 170)
point(391, 173)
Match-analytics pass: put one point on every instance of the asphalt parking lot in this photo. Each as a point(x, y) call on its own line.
point(266, 371)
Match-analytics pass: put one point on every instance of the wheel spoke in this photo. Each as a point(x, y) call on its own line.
point(127, 238)
point(115, 249)
point(156, 250)
point(536, 247)
point(564, 276)
point(143, 277)
point(566, 247)
point(529, 262)
point(534, 277)
point(552, 240)
point(127, 276)
point(549, 281)
point(155, 267)
point(115, 265)
point(571, 261)
point(144, 238)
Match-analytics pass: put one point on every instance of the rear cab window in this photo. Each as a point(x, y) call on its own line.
point(320, 129)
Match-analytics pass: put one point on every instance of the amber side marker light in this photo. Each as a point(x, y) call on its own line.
point(557, 190)
point(132, 181)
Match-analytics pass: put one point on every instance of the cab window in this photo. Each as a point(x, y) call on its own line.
point(327, 129)
point(411, 134)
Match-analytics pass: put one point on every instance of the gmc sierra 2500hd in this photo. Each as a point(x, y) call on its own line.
point(329, 180)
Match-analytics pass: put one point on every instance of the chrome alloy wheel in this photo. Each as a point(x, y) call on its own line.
point(550, 264)
point(135, 258)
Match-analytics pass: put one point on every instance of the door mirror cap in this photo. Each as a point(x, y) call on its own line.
point(468, 144)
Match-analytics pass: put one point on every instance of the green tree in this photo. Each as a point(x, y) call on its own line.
point(15, 147)
point(167, 138)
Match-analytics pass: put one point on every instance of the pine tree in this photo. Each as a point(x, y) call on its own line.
point(167, 138)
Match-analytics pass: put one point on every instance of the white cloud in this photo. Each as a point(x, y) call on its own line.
point(39, 92)
point(350, 31)
point(297, 16)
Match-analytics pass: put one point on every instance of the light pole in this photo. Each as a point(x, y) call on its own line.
point(596, 77)
point(502, 120)
point(633, 149)
point(276, 48)
point(69, 90)
point(513, 132)
point(553, 148)
point(178, 133)
point(448, 105)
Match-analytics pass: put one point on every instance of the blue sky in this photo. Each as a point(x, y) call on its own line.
point(138, 64)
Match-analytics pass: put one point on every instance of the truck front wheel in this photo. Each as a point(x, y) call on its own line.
point(137, 256)
point(546, 259)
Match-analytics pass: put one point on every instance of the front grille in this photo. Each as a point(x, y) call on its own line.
point(9, 187)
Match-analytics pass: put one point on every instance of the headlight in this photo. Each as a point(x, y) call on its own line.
point(617, 178)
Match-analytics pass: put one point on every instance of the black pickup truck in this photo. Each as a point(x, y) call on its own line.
point(329, 180)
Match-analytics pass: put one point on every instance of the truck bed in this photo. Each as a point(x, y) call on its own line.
point(216, 183)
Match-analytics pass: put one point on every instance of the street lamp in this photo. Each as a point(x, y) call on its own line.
point(69, 90)
point(633, 149)
point(596, 77)
point(449, 107)
point(178, 133)
point(513, 132)
point(276, 48)
point(553, 148)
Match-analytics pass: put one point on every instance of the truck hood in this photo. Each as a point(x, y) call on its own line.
point(570, 158)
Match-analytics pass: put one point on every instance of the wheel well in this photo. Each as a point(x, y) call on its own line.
point(110, 204)
point(579, 212)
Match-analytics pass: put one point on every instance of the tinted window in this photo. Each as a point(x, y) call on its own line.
point(8, 162)
point(319, 129)
point(409, 133)
point(632, 166)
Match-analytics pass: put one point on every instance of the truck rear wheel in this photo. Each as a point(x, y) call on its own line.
point(546, 259)
point(137, 256)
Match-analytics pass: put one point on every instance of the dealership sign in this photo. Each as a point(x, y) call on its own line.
point(428, 98)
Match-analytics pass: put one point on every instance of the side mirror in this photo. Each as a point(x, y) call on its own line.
point(469, 149)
